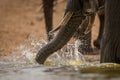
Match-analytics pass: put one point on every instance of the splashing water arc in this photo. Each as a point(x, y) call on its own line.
point(68, 55)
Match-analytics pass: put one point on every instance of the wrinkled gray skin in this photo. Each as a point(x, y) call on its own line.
point(110, 44)
point(66, 32)
point(85, 47)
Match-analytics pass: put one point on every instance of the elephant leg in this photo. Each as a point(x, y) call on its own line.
point(48, 14)
point(110, 44)
point(85, 44)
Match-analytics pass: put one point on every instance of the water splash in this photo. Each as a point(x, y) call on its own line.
point(30, 50)
point(68, 55)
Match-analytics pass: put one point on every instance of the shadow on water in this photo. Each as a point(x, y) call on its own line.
point(67, 66)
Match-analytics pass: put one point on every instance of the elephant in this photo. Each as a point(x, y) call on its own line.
point(110, 43)
point(76, 11)
point(86, 38)
point(48, 14)
point(85, 46)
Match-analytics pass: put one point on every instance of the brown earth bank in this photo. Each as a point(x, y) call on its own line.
point(21, 18)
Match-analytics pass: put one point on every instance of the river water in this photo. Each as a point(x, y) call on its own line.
point(89, 71)
point(63, 66)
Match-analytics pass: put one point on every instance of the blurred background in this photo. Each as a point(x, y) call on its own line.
point(19, 19)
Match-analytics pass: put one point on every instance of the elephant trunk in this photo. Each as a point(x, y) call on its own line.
point(63, 36)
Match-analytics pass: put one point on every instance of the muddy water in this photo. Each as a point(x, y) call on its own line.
point(88, 71)
point(19, 68)
point(70, 65)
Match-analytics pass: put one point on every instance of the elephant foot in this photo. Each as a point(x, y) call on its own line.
point(85, 50)
point(96, 44)
point(89, 51)
point(85, 47)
